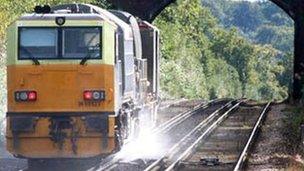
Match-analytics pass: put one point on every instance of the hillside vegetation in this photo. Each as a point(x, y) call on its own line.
point(261, 22)
point(204, 58)
point(202, 55)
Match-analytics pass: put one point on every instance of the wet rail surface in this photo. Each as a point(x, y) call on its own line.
point(183, 148)
point(227, 146)
point(168, 133)
point(181, 125)
point(180, 106)
point(220, 149)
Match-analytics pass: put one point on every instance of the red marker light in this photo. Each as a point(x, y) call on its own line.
point(32, 96)
point(94, 95)
point(87, 95)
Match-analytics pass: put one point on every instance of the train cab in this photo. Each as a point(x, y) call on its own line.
point(78, 77)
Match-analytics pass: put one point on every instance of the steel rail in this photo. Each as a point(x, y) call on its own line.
point(188, 151)
point(243, 156)
point(163, 128)
point(112, 161)
point(166, 126)
point(199, 127)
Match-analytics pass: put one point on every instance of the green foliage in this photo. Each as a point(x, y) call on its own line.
point(280, 37)
point(182, 73)
point(244, 15)
point(225, 64)
point(183, 78)
point(261, 22)
point(222, 79)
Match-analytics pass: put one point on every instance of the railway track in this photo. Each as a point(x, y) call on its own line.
point(226, 144)
point(173, 130)
point(219, 150)
point(183, 147)
point(211, 136)
point(111, 160)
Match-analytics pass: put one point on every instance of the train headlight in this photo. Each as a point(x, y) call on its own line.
point(96, 95)
point(23, 96)
point(60, 21)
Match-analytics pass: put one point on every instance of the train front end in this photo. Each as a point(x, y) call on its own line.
point(61, 101)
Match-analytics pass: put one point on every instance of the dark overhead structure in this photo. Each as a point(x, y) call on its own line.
point(149, 9)
point(144, 9)
point(295, 9)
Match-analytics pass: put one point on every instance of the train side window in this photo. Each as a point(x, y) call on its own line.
point(38, 43)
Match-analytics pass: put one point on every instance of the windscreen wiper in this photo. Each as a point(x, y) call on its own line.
point(88, 56)
point(35, 60)
point(85, 59)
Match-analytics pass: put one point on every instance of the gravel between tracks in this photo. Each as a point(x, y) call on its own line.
point(268, 153)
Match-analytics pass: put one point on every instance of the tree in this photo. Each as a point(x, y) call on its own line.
point(280, 37)
point(245, 15)
point(149, 9)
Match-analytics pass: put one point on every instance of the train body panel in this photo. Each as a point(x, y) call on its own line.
point(56, 93)
point(76, 82)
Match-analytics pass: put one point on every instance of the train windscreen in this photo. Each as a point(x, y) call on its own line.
point(38, 43)
point(60, 43)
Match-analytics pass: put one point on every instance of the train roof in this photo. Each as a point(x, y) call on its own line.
point(51, 16)
point(80, 12)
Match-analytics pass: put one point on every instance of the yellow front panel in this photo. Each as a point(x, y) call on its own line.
point(60, 87)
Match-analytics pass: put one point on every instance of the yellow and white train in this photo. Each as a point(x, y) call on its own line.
point(78, 77)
